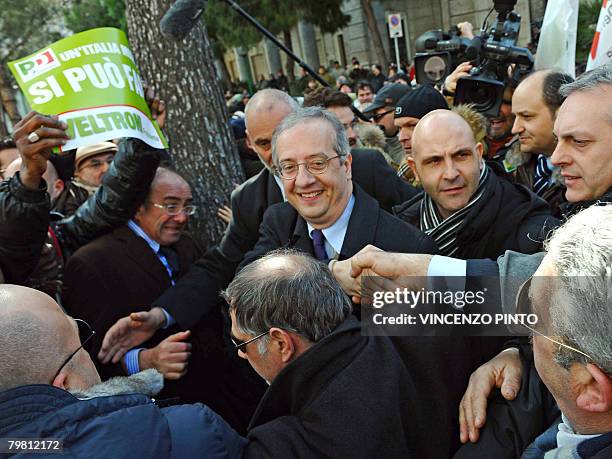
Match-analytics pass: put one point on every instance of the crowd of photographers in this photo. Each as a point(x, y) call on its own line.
point(120, 337)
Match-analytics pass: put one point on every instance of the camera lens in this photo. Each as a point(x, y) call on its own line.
point(482, 96)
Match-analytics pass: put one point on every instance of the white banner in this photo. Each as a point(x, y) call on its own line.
point(557, 45)
point(601, 50)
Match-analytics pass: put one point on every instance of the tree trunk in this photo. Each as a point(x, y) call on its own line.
point(379, 49)
point(183, 73)
point(290, 63)
point(8, 97)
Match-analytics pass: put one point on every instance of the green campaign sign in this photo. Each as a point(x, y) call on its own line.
point(90, 80)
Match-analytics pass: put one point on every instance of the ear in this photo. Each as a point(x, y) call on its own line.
point(283, 343)
point(348, 165)
point(479, 149)
point(248, 140)
point(594, 389)
point(412, 164)
point(60, 381)
point(138, 214)
point(58, 186)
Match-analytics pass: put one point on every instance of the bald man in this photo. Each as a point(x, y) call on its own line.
point(44, 364)
point(465, 206)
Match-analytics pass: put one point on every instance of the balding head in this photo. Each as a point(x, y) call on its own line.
point(440, 121)
point(535, 103)
point(266, 109)
point(35, 338)
point(289, 300)
point(447, 160)
point(55, 185)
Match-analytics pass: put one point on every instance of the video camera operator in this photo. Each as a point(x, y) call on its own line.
point(480, 69)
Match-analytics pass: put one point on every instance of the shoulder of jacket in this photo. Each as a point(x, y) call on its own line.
point(260, 179)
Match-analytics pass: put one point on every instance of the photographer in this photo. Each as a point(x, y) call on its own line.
point(499, 139)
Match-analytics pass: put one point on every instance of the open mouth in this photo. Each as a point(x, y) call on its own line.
point(310, 196)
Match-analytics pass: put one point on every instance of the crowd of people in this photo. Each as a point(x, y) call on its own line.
point(120, 337)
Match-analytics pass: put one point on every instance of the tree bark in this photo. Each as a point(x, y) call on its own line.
point(183, 73)
point(290, 63)
point(379, 49)
point(8, 97)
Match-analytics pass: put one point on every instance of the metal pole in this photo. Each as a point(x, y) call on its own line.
point(397, 59)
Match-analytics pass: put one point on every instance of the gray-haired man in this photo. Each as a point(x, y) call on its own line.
point(333, 392)
point(573, 351)
point(325, 214)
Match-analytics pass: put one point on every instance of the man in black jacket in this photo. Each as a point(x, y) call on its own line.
point(194, 296)
point(333, 391)
point(465, 206)
point(25, 204)
point(326, 214)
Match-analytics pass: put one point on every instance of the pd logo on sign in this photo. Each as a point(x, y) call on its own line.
point(38, 64)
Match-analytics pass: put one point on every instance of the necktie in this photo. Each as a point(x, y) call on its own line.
point(318, 242)
point(542, 176)
point(172, 261)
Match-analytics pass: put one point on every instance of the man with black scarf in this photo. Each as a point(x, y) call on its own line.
point(465, 206)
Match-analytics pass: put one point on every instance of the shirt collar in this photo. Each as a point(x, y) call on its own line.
point(334, 234)
point(566, 436)
point(140, 232)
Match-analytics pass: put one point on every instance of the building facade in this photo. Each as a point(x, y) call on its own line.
point(355, 40)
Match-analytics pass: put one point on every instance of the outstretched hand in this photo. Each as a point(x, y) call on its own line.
point(129, 332)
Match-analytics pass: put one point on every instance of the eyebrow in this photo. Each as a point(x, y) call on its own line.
point(175, 198)
point(576, 133)
point(308, 157)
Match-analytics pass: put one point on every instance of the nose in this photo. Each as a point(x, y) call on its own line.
point(559, 158)
point(404, 135)
point(350, 133)
point(303, 178)
point(180, 218)
point(450, 171)
point(517, 127)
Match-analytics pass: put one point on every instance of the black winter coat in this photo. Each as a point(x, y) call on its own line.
point(508, 217)
point(25, 218)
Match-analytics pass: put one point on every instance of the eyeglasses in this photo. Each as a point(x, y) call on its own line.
point(97, 163)
point(523, 306)
point(288, 170)
point(378, 116)
point(352, 124)
point(86, 333)
point(238, 344)
point(176, 209)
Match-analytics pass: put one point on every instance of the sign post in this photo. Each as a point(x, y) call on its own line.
point(395, 32)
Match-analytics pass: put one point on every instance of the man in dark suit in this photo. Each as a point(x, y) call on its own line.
point(326, 214)
point(195, 295)
point(119, 273)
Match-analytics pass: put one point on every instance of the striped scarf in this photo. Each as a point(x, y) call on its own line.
point(444, 232)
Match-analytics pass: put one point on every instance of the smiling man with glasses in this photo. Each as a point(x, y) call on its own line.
point(326, 213)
